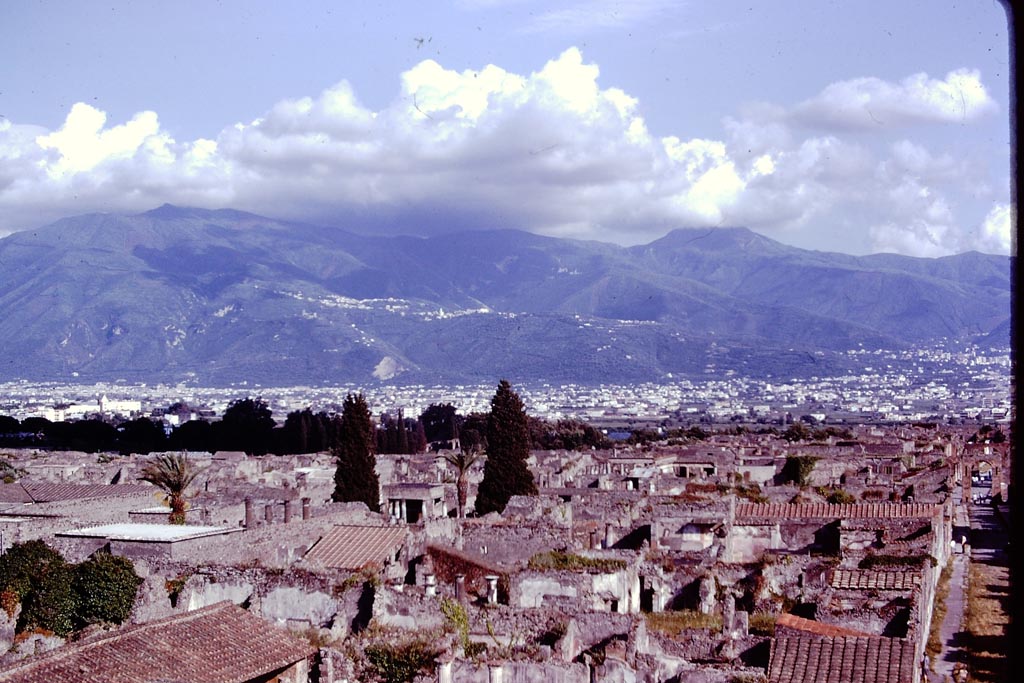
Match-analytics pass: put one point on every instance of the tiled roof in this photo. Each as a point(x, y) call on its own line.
point(352, 547)
point(818, 628)
point(867, 579)
point(221, 643)
point(44, 492)
point(815, 659)
point(827, 511)
point(14, 493)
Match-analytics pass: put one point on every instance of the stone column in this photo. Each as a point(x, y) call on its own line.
point(741, 624)
point(444, 672)
point(495, 672)
point(250, 516)
point(268, 513)
point(287, 511)
point(728, 612)
point(460, 587)
point(305, 508)
point(592, 542)
point(430, 583)
point(609, 536)
point(492, 589)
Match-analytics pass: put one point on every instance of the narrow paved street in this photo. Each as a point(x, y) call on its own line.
point(987, 538)
point(950, 631)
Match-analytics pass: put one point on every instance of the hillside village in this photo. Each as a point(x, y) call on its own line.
point(740, 557)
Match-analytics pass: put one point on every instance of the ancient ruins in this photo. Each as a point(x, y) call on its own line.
point(741, 557)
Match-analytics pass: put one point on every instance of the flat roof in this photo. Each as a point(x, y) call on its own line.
point(148, 532)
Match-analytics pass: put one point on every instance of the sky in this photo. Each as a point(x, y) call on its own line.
point(857, 127)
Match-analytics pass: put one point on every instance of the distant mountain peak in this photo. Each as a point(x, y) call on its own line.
point(169, 211)
point(227, 296)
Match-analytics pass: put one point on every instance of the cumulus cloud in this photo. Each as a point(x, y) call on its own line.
point(550, 151)
point(872, 102)
point(995, 236)
point(921, 223)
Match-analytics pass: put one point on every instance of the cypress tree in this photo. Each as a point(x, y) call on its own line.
point(508, 447)
point(355, 480)
point(403, 436)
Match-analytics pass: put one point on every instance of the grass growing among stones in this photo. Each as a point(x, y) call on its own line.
point(986, 622)
point(762, 624)
point(559, 561)
point(934, 645)
point(674, 623)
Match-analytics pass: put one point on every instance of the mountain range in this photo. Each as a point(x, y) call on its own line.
point(225, 296)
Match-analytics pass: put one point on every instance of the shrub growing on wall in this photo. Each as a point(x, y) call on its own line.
point(59, 597)
point(105, 586)
point(48, 602)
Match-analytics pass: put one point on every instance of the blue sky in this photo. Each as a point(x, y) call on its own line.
point(846, 126)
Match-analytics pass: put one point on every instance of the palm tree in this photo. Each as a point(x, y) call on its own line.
point(172, 474)
point(462, 461)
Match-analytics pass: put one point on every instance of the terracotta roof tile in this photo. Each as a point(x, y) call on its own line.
point(45, 492)
point(827, 511)
point(845, 659)
point(819, 628)
point(222, 643)
point(867, 579)
point(352, 547)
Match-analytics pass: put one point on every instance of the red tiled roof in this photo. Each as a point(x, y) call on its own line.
point(221, 643)
point(352, 547)
point(867, 579)
point(814, 659)
point(828, 511)
point(818, 628)
point(44, 492)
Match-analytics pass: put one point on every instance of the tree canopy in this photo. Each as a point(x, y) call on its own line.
point(172, 474)
point(355, 478)
point(508, 447)
point(247, 426)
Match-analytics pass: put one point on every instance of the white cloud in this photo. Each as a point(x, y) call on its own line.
point(920, 222)
point(997, 230)
point(871, 103)
point(550, 151)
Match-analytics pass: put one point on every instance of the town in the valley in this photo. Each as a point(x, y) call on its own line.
point(780, 535)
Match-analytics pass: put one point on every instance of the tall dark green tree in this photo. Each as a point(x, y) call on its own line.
point(355, 479)
point(247, 426)
point(508, 447)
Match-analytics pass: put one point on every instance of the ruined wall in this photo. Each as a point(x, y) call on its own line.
point(577, 591)
point(509, 544)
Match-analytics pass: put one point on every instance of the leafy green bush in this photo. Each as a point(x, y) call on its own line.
point(798, 469)
point(402, 662)
point(105, 586)
point(50, 602)
point(836, 496)
point(22, 563)
point(59, 597)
